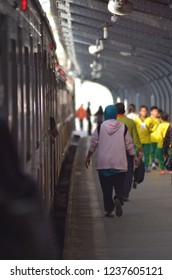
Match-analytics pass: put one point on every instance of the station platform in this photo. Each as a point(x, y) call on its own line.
point(143, 232)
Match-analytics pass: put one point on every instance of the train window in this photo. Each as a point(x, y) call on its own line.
point(36, 99)
point(27, 86)
point(45, 81)
point(51, 94)
point(13, 77)
point(55, 102)
point(45, 59)
point(20, 98)
point(32, 98)
point(3, 77)
point(39, 90)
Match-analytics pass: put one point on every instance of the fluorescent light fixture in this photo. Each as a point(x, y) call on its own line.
point(105, 31)
point(101, 44)
point(125, 53)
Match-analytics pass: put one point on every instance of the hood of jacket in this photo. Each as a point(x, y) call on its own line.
point(111, 126)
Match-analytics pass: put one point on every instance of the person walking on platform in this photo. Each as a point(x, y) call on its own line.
point(99, 116)
point(144, 134)
point(135, 137)
point(81, 114)
point(161, 132)
point(132, 112)
point(89, 119)
point(152, 123)
point(111, 143)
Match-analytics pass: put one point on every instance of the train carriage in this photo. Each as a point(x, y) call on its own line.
point(32, 91)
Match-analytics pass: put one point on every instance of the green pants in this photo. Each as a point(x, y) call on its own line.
point(153, 151)
point(146, 152)
point(160, 158)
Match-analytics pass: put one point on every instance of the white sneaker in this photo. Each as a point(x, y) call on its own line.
point(154, 167)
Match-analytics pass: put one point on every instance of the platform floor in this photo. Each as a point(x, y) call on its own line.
point(143, 232)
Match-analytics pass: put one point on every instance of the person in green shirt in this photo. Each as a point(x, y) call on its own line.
point(152, 123)
point(135, 137)
point(144, 134)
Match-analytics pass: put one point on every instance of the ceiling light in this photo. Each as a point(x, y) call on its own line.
point(93, 49)
point(125, 53)
point(101, 44)
point(120, 7)
point(105, 31)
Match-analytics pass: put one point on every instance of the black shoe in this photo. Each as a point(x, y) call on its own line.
point(125, 199)
point(154, 167)
point(134, 185)
point(118, 208)
point(121, 200)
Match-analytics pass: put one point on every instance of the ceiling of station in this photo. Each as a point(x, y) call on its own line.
point(138, 49)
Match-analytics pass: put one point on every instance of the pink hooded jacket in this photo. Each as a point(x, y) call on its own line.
point(112, 145)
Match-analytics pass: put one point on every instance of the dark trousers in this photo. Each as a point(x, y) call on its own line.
point(146, 152)
point(129, 176)
point(115, 181)
point(81, 124)
point(153, 151)
point(89, 126)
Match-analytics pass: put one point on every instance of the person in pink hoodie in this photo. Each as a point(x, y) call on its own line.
point(112, 141)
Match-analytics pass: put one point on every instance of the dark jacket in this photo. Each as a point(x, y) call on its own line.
point(99, 116)
point(167, 140)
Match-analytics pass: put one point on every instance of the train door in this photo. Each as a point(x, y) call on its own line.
point(38, 101)
point(46, 144)
point(3, 66)
point(52, 124)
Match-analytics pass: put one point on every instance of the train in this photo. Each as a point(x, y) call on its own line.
point(35, 97)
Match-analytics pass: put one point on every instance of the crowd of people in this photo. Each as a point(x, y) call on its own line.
point(82, 114)
point(147, 130)
point(152, 131)
point(123, 141)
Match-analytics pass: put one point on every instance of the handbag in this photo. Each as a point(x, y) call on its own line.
point(139, 173)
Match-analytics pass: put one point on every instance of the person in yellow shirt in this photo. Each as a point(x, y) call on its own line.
point(152, 123)
point(161, 132)
point(144, 134)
